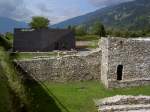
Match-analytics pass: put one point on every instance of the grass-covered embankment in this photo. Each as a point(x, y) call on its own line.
point(5, 96)
point(11, 88)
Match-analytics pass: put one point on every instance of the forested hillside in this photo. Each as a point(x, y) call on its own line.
point(133, 15)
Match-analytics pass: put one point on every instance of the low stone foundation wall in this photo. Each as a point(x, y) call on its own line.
point(129, 83)
point(79, 67)
point(124, 104)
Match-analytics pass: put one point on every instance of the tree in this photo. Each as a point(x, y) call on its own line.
point(80, 30)
point(98, 29)
point(72, 28)
point(39, 22)
point(103, 32)
point(69, 27)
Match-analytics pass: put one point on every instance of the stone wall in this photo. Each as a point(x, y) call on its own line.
point(124, 104)
point(133, 55)
point(78, 67)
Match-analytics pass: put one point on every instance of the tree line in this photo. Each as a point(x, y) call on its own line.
point(97, 28)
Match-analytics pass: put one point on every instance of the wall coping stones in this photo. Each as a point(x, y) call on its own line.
point(72, 54)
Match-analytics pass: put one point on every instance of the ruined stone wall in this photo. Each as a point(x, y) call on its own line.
point(133, 55)
point(66, 68)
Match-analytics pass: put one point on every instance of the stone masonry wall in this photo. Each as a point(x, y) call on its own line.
point(67, 68)
point(133, 55)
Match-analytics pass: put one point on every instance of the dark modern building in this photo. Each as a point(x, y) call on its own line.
point(43, 40)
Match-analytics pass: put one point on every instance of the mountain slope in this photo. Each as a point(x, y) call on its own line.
point(7, 25)
point(131, 15)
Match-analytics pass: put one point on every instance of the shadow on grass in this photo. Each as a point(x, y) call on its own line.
point(41, 99)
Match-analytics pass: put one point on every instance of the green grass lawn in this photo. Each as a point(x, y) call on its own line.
point(80, 96)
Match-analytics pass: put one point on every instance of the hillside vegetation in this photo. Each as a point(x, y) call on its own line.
point(133, 15)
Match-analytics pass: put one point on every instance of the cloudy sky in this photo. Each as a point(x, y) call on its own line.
point(55, 10)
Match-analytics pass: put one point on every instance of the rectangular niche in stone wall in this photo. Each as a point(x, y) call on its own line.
point(119, 72)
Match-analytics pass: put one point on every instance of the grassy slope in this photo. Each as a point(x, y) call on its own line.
point(15, 90)
point(78, 97)
point(7, 95)
point(5, 104)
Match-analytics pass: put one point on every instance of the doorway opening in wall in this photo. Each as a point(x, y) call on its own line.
point(56, 46)
point(119, 72)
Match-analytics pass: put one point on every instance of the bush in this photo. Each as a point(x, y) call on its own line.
point(5, 43)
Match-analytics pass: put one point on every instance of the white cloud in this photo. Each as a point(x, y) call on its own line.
point(14, 9)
